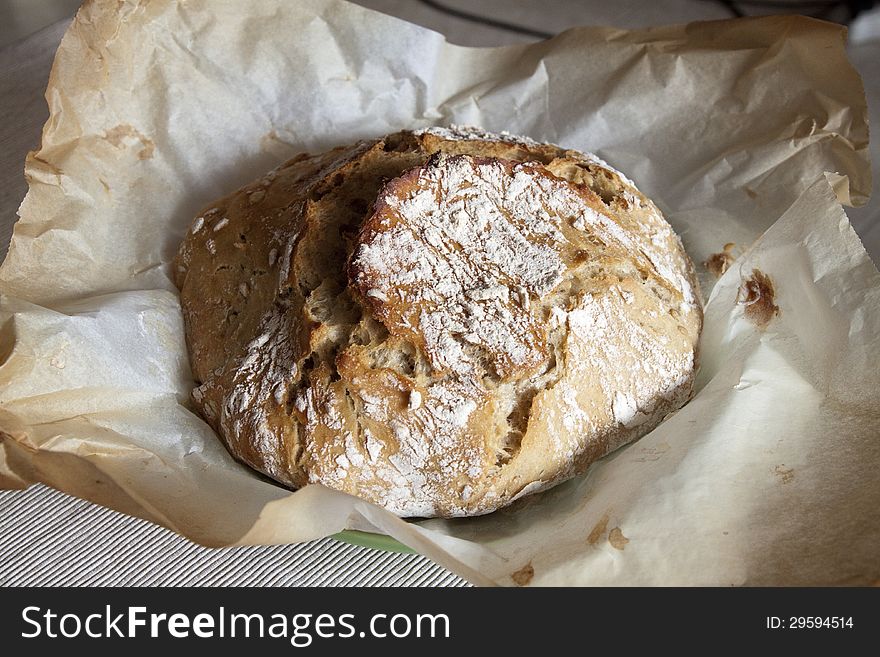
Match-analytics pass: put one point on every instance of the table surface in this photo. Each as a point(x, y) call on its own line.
point(49, 538)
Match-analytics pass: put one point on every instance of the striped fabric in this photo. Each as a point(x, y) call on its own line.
point(48, 538)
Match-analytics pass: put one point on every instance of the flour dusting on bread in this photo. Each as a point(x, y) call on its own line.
point(439, 322)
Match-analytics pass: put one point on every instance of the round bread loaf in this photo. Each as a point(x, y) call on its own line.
point(439, 322)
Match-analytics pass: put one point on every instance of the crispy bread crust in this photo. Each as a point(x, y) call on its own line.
point(438, 322)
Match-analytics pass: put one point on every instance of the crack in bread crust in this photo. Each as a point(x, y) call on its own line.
point(439, 322)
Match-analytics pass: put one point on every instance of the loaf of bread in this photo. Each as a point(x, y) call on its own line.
point(439, 322)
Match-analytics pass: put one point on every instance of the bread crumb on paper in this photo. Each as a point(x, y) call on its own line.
point(720, 262)
point(758, 296)
point(524, 575)
point(785, 474)
point(598, 530)
point(617, 539)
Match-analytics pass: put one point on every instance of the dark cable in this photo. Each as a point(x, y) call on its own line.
point(821, 8)
point(798, 4)
point(732, 8)
point(491, 22)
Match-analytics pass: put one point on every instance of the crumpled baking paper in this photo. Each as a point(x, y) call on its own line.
point(768, 476)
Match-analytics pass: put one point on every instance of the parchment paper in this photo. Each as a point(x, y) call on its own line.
point(768, 476)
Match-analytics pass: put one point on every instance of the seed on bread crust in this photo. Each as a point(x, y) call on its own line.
point(438, 322)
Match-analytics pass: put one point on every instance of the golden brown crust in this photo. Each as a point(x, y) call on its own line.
point(325, 352)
